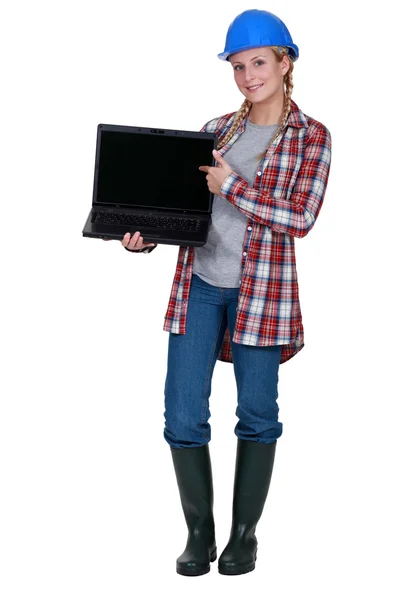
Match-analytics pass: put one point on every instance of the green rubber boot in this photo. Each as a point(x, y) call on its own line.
point(254, 464)
point(194, 477)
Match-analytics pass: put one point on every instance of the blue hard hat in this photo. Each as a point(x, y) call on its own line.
point(256, 28)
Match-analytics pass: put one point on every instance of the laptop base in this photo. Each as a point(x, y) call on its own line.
point(159, 236)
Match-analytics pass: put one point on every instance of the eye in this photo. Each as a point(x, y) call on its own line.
point(261, 62)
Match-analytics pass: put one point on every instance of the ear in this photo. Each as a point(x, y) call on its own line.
point(285, 65)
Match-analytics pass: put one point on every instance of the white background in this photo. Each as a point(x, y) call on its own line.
point(89, 505)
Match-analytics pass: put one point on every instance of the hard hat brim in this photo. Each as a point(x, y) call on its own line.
point(294, 54)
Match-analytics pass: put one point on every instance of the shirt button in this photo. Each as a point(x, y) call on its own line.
point(244, 253)
point(240, 281)
point(259, 173)
point(249, 228)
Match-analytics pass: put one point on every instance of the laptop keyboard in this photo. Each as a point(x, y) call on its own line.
point(107, 218)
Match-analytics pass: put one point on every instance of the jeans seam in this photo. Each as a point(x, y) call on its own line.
point(203, 416)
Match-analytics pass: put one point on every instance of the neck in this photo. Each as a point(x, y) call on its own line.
point(268, 112)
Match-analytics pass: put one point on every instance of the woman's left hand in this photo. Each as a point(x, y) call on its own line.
point(216, 175)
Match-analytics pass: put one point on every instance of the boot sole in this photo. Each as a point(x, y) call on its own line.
point(237, 570)
point(201, 570)
point(241, 571)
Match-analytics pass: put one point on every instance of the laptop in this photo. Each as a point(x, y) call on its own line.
point(148, 180)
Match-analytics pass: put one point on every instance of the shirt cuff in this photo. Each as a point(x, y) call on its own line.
point(228, 185)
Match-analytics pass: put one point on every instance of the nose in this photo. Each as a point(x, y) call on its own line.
point(248, 74)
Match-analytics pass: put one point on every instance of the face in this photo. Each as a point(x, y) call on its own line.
point(258, 67)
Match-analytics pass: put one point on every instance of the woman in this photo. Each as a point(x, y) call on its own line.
point(236, 298)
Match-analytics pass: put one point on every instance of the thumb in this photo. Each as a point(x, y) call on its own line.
point(219, 158)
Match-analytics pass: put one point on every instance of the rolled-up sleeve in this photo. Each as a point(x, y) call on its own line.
point(297, 215)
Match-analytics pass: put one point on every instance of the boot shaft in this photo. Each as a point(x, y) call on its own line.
point(194, 477)
point(253, 471)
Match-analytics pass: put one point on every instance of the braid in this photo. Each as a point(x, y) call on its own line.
point(288, 82)
point(240, 115)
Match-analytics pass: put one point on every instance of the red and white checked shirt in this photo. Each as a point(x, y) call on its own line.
point(284, 204)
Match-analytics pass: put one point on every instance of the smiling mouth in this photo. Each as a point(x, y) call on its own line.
point(253, 88)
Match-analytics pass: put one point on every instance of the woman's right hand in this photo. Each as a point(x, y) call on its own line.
point(134, 243)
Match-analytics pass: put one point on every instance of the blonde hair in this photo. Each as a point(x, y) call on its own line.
point(246, 106)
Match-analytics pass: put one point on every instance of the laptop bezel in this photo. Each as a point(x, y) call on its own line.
point(156, 132)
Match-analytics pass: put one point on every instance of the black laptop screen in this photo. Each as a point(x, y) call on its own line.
point(159, 171)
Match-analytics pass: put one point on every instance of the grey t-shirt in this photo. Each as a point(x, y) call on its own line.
point(219, 261)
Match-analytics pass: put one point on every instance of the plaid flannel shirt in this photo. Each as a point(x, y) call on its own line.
point(284, 204)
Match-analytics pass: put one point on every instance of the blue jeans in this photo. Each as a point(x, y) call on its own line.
point(191, 361)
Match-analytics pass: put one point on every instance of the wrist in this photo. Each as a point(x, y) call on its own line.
point(146, 249)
